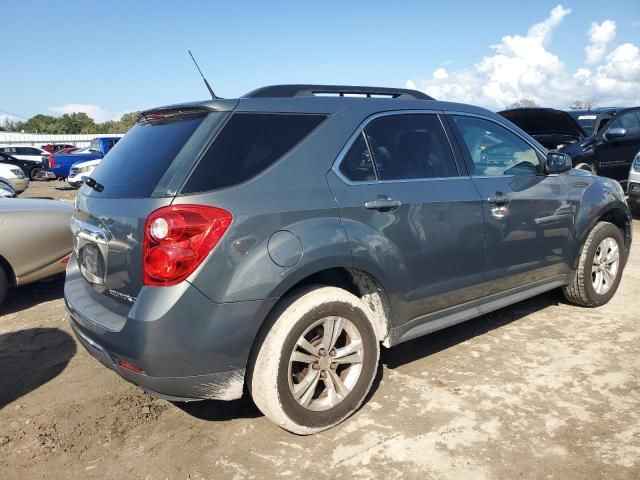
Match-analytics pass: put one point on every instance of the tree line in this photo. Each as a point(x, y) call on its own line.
point(577, 105)
point(70, 123)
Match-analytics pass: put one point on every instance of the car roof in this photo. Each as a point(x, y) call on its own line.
point(325, 99)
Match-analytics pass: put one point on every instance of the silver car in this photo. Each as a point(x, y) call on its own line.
point(35, 240)
point(15, 176)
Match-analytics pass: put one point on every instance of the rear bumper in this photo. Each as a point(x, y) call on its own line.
point(187, 346)
point(220, 386)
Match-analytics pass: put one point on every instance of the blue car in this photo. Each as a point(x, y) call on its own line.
point(60, 164)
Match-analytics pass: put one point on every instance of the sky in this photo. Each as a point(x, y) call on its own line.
point(61, 57)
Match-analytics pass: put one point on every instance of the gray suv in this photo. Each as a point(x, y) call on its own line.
point(276, 240)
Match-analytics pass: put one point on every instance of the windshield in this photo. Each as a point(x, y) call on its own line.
point(585, 118)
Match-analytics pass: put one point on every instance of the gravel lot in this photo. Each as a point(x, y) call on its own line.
point(541, 389)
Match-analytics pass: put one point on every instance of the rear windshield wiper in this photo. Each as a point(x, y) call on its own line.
point(98, 187)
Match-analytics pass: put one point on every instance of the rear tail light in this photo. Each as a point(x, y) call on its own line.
point(52, 161)
point(178, 238)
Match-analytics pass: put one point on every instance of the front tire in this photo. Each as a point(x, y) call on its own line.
point(315, 365)
point(599, 268)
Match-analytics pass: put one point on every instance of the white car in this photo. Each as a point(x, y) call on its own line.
point(15, 176)
point(633, 187)
point(80, 171)
point(29, 154)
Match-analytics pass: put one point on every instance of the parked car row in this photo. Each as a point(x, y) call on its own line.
point(31, 157)
point(606, 146)
point(61, 164)
point(57, 160)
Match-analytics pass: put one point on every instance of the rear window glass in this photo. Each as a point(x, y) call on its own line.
point(248, 144)
point(134, 166)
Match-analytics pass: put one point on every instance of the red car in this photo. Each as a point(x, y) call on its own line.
point(56, 147)
point(68, 150)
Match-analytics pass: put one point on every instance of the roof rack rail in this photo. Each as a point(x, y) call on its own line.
point(339, 90)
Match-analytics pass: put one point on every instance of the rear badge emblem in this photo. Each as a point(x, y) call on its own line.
point(122, 296)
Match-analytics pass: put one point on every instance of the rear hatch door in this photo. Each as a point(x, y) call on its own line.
point(139, 175)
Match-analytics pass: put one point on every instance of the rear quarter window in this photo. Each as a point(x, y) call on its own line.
point(248, 144)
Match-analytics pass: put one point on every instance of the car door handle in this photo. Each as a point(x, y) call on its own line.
point(499, 199)
point(382, 204)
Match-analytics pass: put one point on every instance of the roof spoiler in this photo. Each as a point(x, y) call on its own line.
point(338, 90)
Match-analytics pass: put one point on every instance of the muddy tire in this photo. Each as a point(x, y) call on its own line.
point(313, 367)
point(599, 268)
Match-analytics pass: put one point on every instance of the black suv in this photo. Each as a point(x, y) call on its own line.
point(607, 150)
point(277, 240)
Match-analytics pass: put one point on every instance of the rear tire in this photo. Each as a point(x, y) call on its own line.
point(315, 365)
point(599, 268)
point(634, 205)
point(4, 285)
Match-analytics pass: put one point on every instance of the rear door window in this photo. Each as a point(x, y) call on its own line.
point(247, 145)
point(134, 166)
point(410, 146)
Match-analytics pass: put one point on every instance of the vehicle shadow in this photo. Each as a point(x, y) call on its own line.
point(221, 410)
point(435, 342)
point(217, 410)
point(33, 294)
point(30, 358)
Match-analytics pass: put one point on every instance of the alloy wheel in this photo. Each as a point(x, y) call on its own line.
point(604, 269)
point(326, 363)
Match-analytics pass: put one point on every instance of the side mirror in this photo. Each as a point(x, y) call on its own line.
point(614, 133)
point(558, 162)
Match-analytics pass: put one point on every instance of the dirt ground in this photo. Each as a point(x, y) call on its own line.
point(541, 389)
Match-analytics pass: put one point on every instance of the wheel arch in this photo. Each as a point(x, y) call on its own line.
point(356, 281)
point(8, 270)
point(616, 213)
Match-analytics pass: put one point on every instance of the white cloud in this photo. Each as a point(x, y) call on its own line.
point(94, 111)
point(600, 36)
point(440, 74)
point(4, 117)
point(524, 67)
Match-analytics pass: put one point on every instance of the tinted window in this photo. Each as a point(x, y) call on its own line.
point(357, 165)
point(136, 163)
point(410, 146)
point(248, 143)
point(494, 150)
